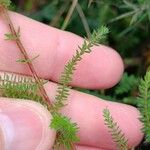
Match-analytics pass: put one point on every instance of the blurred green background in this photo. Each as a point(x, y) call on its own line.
point(129, 24)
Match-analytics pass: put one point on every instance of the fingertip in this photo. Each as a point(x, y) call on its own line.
point(134, 126)
point(101, 69)
point(113, 67)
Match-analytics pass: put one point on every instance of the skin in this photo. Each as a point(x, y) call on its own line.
point(25, 124)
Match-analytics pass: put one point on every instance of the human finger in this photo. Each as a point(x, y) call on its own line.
point(87, 112)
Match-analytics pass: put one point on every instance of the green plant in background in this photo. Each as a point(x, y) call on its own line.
point(18, 87)
point(144, 104)
point(138, 10)
point(126, 84)
point(5, 3)
point(126, 90)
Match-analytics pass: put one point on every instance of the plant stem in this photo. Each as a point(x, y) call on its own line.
point(26, 57)
point(69, 14)
point(84, 20)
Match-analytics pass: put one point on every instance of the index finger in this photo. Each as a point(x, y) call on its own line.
point(100, 69)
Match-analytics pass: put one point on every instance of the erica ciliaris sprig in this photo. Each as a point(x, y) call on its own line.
point(20, 87)
point(15, 36)
point(144, 104)
point(115, 131)
point(70, 67)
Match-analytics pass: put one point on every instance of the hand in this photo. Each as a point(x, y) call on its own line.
point(24, 125)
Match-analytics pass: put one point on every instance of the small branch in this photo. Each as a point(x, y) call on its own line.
point(60, 12)
point(84, 20)
point(26, 57)
point(132, 62)
point(70, 12)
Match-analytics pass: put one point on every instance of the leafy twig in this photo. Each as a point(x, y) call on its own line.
point(66, 130)
point(21, 87)
point(144, 104)
point(116, 133)
point(24, 53)
point(127, 84)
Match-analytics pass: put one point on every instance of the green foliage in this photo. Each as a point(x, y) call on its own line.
point(144, 104)
point(17, 87)
point(90, 1)
point(66, 131)
point(127, 83)
point(128, 24)
point(70, 67)
point(5, 3)
point(14, 86)
point(116, 133)
point(138, 10)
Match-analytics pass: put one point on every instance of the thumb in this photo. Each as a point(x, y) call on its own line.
point(24, 125)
